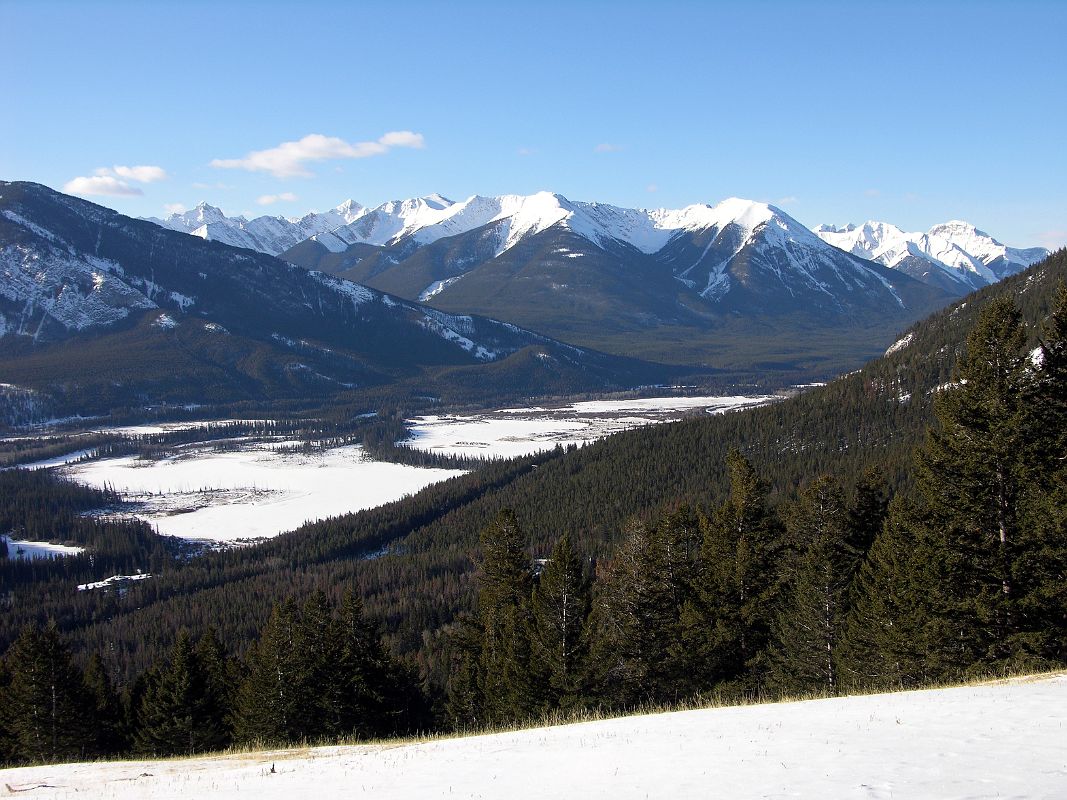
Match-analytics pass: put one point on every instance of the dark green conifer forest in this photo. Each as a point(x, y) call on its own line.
point(904, 525)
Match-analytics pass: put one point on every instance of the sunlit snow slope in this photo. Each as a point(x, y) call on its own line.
point(1004, 740)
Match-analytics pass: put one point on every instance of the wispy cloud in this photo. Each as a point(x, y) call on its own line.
point(872, 193)
point(290, 159)
point(269, 199)
point(786, 201)
point(652, 187)
point(115, 181)
point(607, 147)
point(174, 208)
point(526, 151)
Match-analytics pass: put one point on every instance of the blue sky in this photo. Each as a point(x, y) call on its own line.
point(913, 113)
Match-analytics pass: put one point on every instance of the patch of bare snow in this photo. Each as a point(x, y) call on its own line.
point(994, 740)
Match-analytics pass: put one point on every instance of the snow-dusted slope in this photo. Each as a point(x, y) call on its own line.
point(954, 255)
point(1003, 740)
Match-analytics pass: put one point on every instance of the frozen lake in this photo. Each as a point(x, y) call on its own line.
point(512, 432)
point(252, 493)
point(238, 496)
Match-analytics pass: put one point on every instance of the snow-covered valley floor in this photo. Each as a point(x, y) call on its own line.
point(1003, 740)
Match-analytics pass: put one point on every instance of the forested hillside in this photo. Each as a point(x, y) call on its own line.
point(700, 555)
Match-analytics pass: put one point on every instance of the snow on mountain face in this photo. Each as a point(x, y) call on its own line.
point(50, 283)
point(953, 252)
point(517, 216)
point(270, 235)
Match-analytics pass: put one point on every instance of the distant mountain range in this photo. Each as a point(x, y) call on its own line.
point(683, 285)
point(98, 311)
point(954, 255)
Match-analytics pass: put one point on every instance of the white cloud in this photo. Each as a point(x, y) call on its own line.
point(100, 185)
point(607, 147)
point(403, 139)
point(174, 208)
point(142, 174)
point(289, 159)
point(652, 187)
point(267, 199)
point(114, 181)
point(786, 201)
point(872, 193)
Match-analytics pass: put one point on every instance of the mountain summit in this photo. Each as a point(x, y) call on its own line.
point(953, 255)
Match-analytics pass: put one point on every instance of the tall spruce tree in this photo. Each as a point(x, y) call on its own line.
point(178, 715)
point(108, 717)
point(47, 708)
point(560, 614)
point(505, 582)
point(971, 476)
point(1039, 569)
point(637, 611)
point(271, 705)
point(727, 626)
point(320, 654)
point(809, 625)
point(222, 674)
point(891, 631)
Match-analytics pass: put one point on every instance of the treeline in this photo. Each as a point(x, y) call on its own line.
point(40, 506)
point(315, 673)
point(963, 574)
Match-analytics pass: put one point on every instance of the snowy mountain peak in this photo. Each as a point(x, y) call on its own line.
point(349, 210)
point(955, 254)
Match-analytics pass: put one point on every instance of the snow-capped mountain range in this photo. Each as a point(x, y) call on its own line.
point(121, 310)
point(954, 255)
point(270, 235)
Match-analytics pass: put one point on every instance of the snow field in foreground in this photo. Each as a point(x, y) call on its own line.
point(997, 740)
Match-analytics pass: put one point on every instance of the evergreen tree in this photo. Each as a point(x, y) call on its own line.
point(178, 715)
point(464, 700)
point(891, 632)
point(107, 713)
point(47, 708)
point(1039, 569)
point(503, 610)
point(971, 475)
point(7, 740)
point(727, 626)
point(271, 704)
point(381, 696)
point(221, 678)
point(560, 613)
point(319, 679)
point(809, 625)
point(867, 511)
point(637, 611)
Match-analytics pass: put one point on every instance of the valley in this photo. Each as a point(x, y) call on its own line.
point(237, 491)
